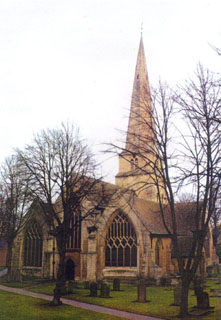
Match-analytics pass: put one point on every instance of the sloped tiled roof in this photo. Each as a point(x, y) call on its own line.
point(149, 213)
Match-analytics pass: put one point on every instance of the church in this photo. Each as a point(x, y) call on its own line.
point(129, 240)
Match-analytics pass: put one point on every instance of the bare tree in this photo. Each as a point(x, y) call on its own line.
point(216, 223)
point(14, 203)
point(66, 181)
point(175, 159)
point(200, 103)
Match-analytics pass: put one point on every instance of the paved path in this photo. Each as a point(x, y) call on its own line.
point(91, 307)
point(3, 272)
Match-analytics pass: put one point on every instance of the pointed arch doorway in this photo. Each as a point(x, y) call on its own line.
point(69, 270)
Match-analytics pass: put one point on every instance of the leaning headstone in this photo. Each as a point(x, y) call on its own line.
point(99, 284)
point(116, 284)
point(93, 289)
point(215, 293)
point(209, 270)
point(105, 290)
point(141, 291)
point(177, 296)
point(174, 282)
point(86, 285)
point(202, 299)
point(71, 286)
point(219, 277)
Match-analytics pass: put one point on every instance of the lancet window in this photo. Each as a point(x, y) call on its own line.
point(158, 252)
point(74, 240)
point(121, 243)
point(33, 244)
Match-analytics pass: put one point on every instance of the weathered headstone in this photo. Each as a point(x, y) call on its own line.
point(93, 289)
point(71, 286)
point(99, 284)
point(209, 270)
point(216, 292)
point(177, 296)
point(116, 284)
point(219, 273)
point(86, 285)
point(141, 291)
point(105, 290)
point(174, 282)
point(202, 299)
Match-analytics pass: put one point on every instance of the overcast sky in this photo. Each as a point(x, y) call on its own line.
point(75, 59)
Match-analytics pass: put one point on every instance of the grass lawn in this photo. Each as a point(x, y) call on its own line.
point(18, 307)
point(160, 305)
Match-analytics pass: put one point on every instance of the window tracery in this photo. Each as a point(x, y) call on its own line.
point(33, 245)
point(121, 243)
point(74, 240)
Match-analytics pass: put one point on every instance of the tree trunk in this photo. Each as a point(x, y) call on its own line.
point(9, 258)
point(60, 281)
point(184, 298)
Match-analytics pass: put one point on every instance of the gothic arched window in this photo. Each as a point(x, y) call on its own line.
point(158, 252)
point(33, 245)
point(121, 243)
point(74, 240)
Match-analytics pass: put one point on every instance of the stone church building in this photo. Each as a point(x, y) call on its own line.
point(129, 239)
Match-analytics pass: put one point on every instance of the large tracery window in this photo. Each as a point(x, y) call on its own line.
point(33, 246)
point(121, 243)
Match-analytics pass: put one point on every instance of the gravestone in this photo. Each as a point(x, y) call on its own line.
point(93, 289)
point(216, 292)
point(219, 274)
point(116, 284)
point(202, 299)
point(71, 286)
point(105, 290)
point(209, 270)
point(174, 282)
point(141, 291)
point(86, 285)
point(99, 284)
point(177, 296)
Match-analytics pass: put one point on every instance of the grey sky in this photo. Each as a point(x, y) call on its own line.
point(74, 60)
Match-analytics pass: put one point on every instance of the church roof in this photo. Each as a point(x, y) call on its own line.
point(149, 213)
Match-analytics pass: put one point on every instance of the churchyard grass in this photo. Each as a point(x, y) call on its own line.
point(19, 307)
point(160, 305)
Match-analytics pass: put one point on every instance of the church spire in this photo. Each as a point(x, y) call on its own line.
point(141, 105)
point(139, 138)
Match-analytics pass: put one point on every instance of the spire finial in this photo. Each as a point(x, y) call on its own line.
point(141, 28)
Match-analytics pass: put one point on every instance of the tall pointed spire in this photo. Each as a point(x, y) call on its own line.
point(139, 134)
point(141, 105)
